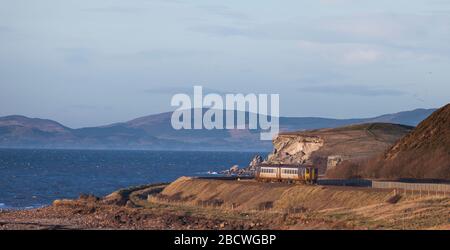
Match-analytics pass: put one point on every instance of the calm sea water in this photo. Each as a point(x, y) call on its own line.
point(32, 178)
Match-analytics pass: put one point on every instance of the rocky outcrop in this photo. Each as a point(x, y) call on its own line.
point(257, 159)
point(246, 171)
point(234, 169)
point(334, 160)
point(294, 149)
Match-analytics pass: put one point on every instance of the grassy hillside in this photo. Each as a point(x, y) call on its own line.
point(248, 195)
point(423, 153)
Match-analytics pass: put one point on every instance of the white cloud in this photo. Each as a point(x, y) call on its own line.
point(362, 56)
point(342, 53)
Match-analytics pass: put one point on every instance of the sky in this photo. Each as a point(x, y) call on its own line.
point(95, 62)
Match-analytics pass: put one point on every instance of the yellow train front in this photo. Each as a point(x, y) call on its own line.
point(287, 173)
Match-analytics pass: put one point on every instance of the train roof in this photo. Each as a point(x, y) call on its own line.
point(286, 165)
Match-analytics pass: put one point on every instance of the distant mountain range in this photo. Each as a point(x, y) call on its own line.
point(154, 132)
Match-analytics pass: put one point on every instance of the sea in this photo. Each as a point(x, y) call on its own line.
point(31, 178)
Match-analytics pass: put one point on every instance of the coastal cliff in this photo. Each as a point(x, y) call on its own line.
point(326, 148)
point(294, 149)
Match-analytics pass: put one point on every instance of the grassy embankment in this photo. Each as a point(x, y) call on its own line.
point(301, 206)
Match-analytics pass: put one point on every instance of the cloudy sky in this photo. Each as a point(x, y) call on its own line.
point(93, 62)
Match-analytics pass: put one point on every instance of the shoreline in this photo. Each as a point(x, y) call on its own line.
point(194, 203)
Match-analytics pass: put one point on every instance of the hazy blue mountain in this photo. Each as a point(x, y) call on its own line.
point(411, 118)
point(155, 132)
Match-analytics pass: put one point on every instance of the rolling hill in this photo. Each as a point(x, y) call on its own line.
point(424, 153)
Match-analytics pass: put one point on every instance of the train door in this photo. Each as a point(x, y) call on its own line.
point(307, 174)
point(314, 175)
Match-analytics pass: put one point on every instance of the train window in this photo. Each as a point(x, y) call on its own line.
point(290, 171)
point(267, 170)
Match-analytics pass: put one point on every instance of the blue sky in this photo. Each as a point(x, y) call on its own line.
point(88, 63)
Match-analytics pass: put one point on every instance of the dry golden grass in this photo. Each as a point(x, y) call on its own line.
point(248, 195)
point(417, 213)
point(307, 207)
point(422, 154)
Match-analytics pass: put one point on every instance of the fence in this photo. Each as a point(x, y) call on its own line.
point(425, 188)
point(421, 188)
point(341, 182)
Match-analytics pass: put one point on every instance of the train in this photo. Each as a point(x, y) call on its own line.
point(287, 173)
